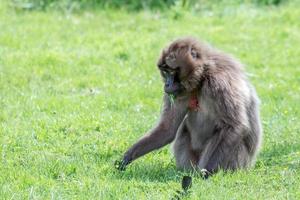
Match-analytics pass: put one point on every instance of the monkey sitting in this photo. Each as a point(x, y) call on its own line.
point(210, 111)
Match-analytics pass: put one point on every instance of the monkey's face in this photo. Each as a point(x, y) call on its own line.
point(172, 81)
point(178, 65)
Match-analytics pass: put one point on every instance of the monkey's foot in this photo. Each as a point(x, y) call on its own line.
point(205, 173)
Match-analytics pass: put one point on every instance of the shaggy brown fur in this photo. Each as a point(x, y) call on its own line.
point(224, 131)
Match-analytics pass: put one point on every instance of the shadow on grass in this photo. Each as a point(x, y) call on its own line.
point(153, 172)
point(283, 154)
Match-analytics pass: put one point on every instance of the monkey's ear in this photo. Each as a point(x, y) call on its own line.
point(194, 53)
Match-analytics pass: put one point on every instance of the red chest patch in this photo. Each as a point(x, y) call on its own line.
point(193, 102)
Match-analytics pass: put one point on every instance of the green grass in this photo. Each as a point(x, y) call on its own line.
point(131, 5)
point(76, 90)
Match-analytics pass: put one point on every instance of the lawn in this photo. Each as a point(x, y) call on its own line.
point(77, 89)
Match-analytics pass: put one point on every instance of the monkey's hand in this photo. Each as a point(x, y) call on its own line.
point(121, 165)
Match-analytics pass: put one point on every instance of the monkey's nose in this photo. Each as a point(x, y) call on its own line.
point(171, 88)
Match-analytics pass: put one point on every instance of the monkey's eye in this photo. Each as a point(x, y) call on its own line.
point(165, 73)
point(162, 66)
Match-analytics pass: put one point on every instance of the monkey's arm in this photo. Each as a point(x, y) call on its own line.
point(163, 133)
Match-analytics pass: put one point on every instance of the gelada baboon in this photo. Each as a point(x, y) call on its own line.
point(210, 110)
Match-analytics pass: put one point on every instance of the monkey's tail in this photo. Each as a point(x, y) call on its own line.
point(186, 184)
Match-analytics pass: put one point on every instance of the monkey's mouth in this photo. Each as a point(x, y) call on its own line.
point(175, 89)
point(171, 89)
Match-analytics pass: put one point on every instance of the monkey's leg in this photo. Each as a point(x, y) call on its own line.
point(186, 158)
point(224, 151)
point(228, 159)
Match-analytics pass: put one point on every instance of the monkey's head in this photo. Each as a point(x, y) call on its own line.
point(181, 65)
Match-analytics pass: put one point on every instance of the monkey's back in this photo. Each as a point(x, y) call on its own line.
point(202, 125)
